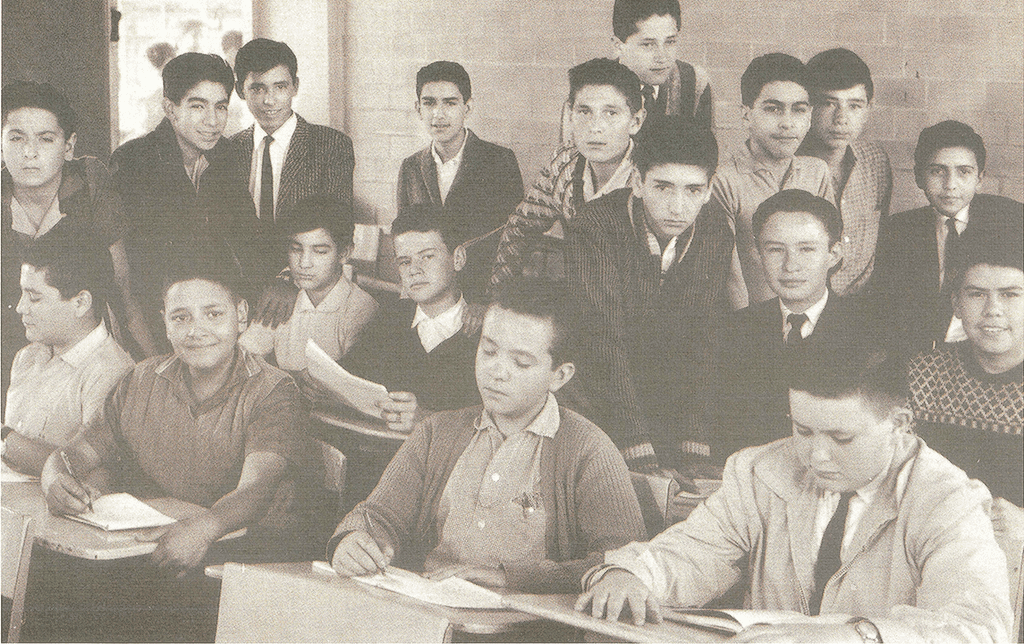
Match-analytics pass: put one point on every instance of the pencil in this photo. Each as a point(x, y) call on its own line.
point(369, 530)
point(71, 471)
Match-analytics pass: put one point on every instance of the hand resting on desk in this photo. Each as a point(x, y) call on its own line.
point(358, 554)
point(182, 545)
point(617, 590)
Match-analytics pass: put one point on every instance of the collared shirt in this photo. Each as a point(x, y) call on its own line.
point(334, 325)
point(435, 330)
point(278, 152)
point(619, 179)
point(195, 173)
point(52, 397)
point(813, 315)
point(491, 509)
point(22, 223)
point(446, 170)
point(669, 255)
point(941, 233)
point(740, 185)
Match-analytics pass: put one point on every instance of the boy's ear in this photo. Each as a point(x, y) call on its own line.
point(169, 108)
point(903, 421)
point(242, 309)
point(459, 257)
point(560, 375)
point(83, 304)
point(637, 121)
point(745, 113)
point(836, 253)
point(69, 147)
point(469, 107)
point(345, 253)
point(617, 46)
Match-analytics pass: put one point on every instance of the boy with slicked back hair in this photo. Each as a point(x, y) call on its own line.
point(841, 94)
point(645, 38)
point(648, 266)
point(777, 112)
point(919, 250)
point(607, 111)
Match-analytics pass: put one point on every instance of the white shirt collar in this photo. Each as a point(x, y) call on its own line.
point(21, 222)
point(813, 315)
point(619, 179)
point(435, 330)
point(331, 302)
point(78, 353)
point(544, 425)
point(282, 135)
point(961, 218)
point(455, 160)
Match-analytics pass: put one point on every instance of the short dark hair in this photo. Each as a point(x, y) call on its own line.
point(794, 200)
point(73, 264)
point(877, 376)
point(260, 55)
point(626, 14)
point(675, 139)
point(184, 72)
point(767, 69)
point(547, 300)
point(997, 242)
point(321, 211)
point(426, 217)
point(947, 134)
point(208, 257)
point(447, 71)
point(837, 69)
point(605, 71)
point(43, 96)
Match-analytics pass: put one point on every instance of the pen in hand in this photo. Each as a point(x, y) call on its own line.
point(369, 530)
point(71, 471)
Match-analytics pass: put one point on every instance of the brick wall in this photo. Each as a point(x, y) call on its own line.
point(931, 60)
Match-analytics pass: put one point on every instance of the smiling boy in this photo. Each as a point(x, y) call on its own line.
point(648, 266)
point(777, 112)
point(851, 517)
point(918, 250)
point(518, 493)
point(607, 110)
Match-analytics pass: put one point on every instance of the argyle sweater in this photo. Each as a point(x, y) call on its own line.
point(972, 417)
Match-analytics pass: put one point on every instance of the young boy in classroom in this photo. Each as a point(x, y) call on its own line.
point(648, 265)
point(329, 309)
point(968, 397)
point(777, 113)
point(60, 381)
point(519, 492)
point(800, 243)
point(842, 93)
point(919, 250)
point(46, 190)
point(607, 110)
point(646, 37)
point(852, 521)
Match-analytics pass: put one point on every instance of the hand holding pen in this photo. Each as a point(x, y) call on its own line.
point(360, 553)
point(66, 496)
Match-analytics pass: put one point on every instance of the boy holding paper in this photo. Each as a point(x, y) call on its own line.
point(520, 492)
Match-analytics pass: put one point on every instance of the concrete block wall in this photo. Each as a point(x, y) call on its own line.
point(931, 60)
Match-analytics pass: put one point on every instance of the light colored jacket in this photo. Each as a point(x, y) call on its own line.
point(923, 566)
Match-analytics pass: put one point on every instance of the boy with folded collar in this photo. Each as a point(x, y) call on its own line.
point(852, 521)
point(777, 111)
point(648, 265)
point(520, 492)
point(842, 93)
point(607, 111)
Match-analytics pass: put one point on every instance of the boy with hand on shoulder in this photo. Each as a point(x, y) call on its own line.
point(60, 381)
point(842, 93)
point(648, 265)
point(329, 308)
point(519, 493)
point(607, 110)
point(777, 111)
point(853, 519)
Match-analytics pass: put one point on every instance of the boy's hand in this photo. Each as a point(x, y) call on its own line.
point(182, 546)
point(399, 411)
point(616, 590)
point(473, 318)
point(276, 303)
point(493, 577)
point(63, 494)
point(358, 554)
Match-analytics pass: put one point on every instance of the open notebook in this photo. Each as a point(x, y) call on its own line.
point(730, 621)
point(122, 511)
point(452, 592)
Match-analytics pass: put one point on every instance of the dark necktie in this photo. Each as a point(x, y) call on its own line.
point(829, 554)
point(796, 322)
point(267, 182)
point(651, 103)
point(950, 256)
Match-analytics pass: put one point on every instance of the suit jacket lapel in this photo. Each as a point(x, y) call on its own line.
point(468, 159)
point(295, 159)
point(428, 174)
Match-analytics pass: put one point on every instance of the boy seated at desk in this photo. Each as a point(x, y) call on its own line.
point(60, 381)
point(853, 515)
point(329, 308)
point(520, 492)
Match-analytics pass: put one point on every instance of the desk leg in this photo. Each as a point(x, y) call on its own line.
point(21, 583)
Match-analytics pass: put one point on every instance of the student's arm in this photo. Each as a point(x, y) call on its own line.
point(724, 203)
point(26, 454)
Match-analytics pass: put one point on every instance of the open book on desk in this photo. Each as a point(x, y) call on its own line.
point(732, 621)
point(352, 391)
point(452, 592)
point(122, 511)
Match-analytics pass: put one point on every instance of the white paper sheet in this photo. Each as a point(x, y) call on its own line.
point(352, 391)
point(122, 511)
point(452, 592)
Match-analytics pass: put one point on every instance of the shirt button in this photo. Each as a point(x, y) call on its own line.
point(480, 524)
point(495, 477)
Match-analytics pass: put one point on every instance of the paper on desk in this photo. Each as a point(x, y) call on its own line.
point(452, 592)
point(122, 511)
point(732, 621)
point(352, 391)
point(7, 475)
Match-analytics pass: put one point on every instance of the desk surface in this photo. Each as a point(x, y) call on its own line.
point(559, 608)
point(359, 423)
point(78, 539)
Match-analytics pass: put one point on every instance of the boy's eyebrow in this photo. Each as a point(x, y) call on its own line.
point(32, 291)
point(523, 354)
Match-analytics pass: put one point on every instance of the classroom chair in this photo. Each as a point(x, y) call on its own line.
point(16, 555)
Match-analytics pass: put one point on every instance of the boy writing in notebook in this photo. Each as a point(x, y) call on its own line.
point(607, 110)
point(519, 492)
point(852, 518)
point(60, 381)
point(777, 113)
